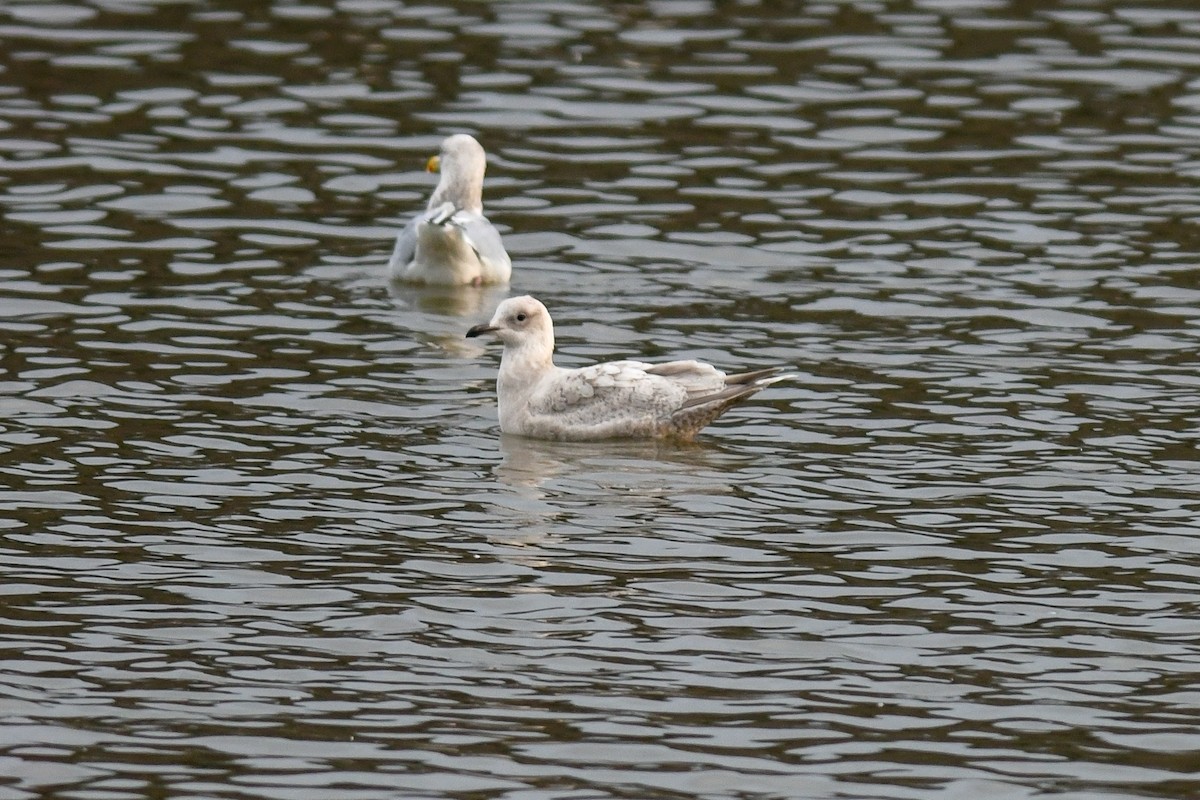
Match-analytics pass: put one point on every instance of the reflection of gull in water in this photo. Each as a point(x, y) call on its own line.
point(453, 243)
point(450, 301)
point(530, 462)
point(643, 473)
point(432, 314)
point(613, 400)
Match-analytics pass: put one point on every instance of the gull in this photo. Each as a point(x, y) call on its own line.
point(611, 400)
point(452, 243)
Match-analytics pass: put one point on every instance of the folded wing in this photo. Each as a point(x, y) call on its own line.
point(618, 398)
point(485, 240)
point(453, 243)
point(406, 248)
point(632, 398)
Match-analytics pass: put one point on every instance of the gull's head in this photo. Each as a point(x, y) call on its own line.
point(520, 322)
point(460, 155)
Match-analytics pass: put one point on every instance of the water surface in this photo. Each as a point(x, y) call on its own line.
point(262, 537)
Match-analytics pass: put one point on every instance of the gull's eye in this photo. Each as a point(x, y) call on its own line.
point(520, 317)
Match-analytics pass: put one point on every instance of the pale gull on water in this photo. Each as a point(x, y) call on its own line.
point(452, 243)
point(616, 399)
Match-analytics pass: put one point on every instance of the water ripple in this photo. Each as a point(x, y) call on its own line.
point(262, 537)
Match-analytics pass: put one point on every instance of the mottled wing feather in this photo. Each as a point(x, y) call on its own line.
point(633, 399)
point(605, 392)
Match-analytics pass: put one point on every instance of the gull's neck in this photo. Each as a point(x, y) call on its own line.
point(460, 188)
point(523, 366)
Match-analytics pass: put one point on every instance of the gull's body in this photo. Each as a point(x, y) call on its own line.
point(615, 399)
point(452, 243)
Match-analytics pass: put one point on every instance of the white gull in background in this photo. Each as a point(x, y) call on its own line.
point(453, 243)
point(613, 400)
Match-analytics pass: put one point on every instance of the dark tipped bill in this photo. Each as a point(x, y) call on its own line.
point(480, 329)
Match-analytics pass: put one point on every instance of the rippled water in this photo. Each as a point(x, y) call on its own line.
point(261, 535)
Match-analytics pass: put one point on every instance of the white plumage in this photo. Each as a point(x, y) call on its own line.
point(615, 399)
point(452, 243)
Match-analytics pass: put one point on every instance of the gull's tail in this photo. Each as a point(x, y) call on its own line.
point(687, 420)
point(764, 376)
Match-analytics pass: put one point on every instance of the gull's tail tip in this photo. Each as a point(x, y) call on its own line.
point(761, 378)
point(781, 376)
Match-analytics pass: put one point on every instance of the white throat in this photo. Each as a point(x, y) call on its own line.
point(523, 365)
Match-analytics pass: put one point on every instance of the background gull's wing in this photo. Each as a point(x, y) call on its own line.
point(483, 237)
point(405, 249)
